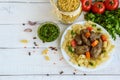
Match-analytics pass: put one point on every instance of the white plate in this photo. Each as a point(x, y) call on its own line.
point(67, 58)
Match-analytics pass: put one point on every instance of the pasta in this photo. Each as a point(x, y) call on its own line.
point(81, 60)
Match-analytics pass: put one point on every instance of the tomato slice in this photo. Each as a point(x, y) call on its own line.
point(89, 28)
point(103, 37)
point(73, 43)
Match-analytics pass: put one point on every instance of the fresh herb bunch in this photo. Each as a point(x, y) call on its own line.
point(110, 20)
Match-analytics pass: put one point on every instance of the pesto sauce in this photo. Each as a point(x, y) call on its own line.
point(48, 32)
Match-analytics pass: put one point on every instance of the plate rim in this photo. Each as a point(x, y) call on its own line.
point(100, 67)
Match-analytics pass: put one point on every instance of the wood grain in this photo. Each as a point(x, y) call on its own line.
point(15, 63)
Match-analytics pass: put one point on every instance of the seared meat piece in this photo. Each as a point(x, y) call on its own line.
point(94, 36)
point(84, 39)
point(84, 31)
point(95, 51)
point(81, 49)
point(78, 39)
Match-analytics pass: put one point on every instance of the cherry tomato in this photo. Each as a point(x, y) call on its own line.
point(89, 28)
point(86, 5)
point(104, 38)
point(98, 7)
point(111, 4)
point(73, 43)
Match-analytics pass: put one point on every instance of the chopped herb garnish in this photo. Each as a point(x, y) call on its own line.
point(103, 51)
point(61, 72)
point(91, 63)
point(93, 25)
point(72, 32)
point(70, 48)
point(78, 64)
point(99, 29)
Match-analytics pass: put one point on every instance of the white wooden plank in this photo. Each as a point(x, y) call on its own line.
point(61, 78)
point(10, 35)
point(24, 0)
point(12, 13)
point(17, 61)
point(13, 34)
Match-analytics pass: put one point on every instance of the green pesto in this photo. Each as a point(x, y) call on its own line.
point(48, 31)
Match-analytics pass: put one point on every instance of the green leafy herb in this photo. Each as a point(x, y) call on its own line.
point(72, 32)
point(103, 51)
point(70, 48)
point(93, 25)
point(110, 20)
point(91, 63)
point(99, 29)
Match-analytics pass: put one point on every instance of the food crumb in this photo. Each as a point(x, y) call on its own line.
point(74, 73)
point(47, 58)
point(61, 72)
point(23, 24)
point(45, 51)
point(33, 47)
point(61, 59)
point(28, 30)
point(35, 44)
point(32, 23)
point(53, 48)
point(25, 47)
point(29, 53)
point(24, 41)
point(34, 37)
point(47, 74)
point(37, 47)
point(54, 63)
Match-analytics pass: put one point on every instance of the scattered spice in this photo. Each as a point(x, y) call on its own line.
point(75, 70)
point(74, 73)
point(33, 47)
point(53, 48)
point(32, 23)
point(34, 37)
point(35, 44)
point(47, 58)
point(24, 41)
point(25, 47)
point(47, 74)
point(28, 30)
point(29, 53)
point(45, 51)
point(61, 59)
point(54, 63)
point(23, 24)
point(61, 72)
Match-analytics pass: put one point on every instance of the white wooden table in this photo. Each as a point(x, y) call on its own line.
point(16, 64)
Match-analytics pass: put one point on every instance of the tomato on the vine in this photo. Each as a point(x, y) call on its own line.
point(111, 4)
point(86, 5)
point(98, 7)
